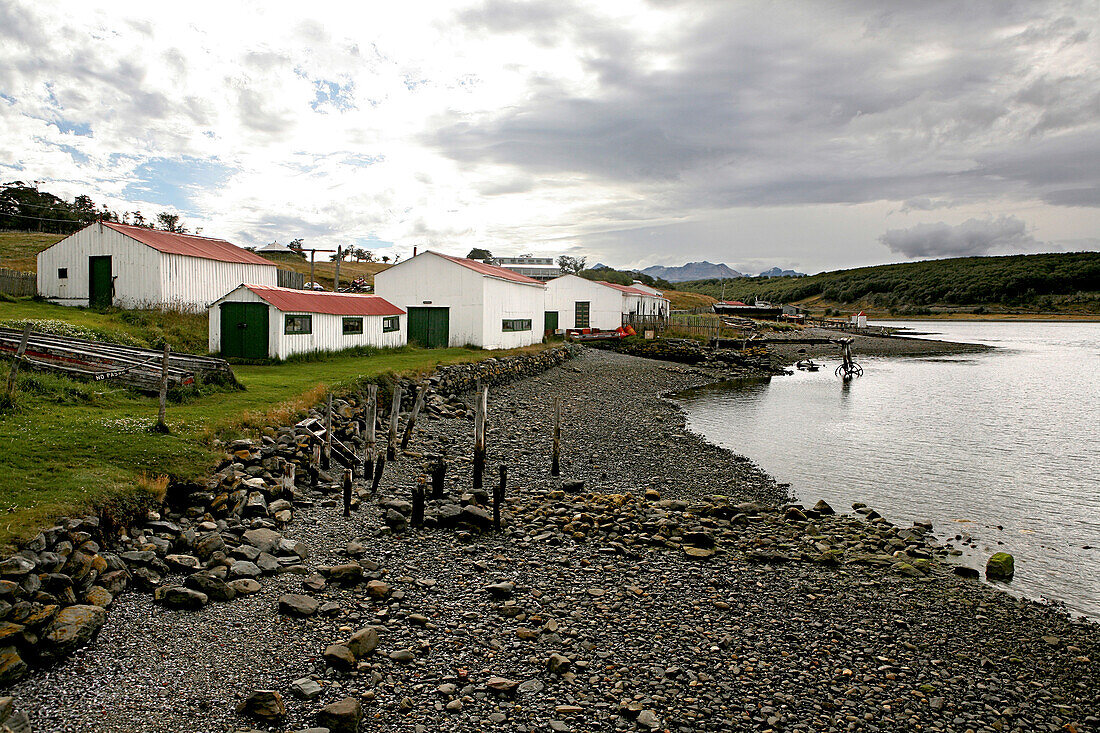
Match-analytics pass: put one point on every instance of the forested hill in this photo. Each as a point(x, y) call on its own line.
point(1067, 282)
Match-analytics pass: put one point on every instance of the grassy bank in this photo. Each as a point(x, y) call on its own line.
point(19, 250)
point(69, 446)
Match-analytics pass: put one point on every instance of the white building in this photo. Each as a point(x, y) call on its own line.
point(639, 285)
point(636, 302)
point(453, 301)
point(107, 264)
point(536, 268)
point(574, 302)
point(260, 321)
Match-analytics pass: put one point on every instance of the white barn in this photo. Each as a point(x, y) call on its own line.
point(261, 321)
point(453, 301)
point(637, 302)
point(107, 264)
point(574, 302)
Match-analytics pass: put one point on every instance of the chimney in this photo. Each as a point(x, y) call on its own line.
point(414, 250)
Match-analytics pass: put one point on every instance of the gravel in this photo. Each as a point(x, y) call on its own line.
point(640, 602)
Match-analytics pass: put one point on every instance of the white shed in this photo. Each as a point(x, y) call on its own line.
point(261, 321)
point(574, 302)
point(637, 302)
point(107, 264)
point(453, 301)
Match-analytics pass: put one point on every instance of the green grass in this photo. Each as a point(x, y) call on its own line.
point(19, 250)
point(184, 332)
point(71, 446)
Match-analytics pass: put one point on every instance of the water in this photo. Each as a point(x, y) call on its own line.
point(1002, 446)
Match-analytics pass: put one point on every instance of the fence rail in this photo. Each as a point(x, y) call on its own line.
point(13, 282)
point(291, 279)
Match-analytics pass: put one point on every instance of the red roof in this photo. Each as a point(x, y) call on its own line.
point(490, 270)
point(625, 288)
point(189, 245)
point(290, 300)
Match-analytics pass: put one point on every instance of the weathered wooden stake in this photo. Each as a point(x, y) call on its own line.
point(379, 467)
point(288, 478)
point(372, 420)
point(417, 407)
point(418, 501)
point(479, 437)
point(498, 496)
point(439, 473)
point(555, 454)
point(314, 465)
point(347, 492)
point(326, 457)
point(16, 362)
point(395, 412)
point(336, 279)
point(162, 427)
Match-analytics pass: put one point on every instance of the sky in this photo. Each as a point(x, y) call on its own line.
point(805, 135)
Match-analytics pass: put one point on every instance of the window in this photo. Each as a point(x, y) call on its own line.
point(353, 326)
point(298, 324)
point(516, 324)
point(391, 323)
point(581, 317)
point(62, 273)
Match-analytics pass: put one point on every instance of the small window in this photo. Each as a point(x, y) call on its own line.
point(298, 324)
point(353, 326)
point(62, 273)
point(516, 324)
point(391, 323)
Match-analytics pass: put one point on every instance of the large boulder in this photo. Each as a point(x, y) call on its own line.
point(71, 627)
point(12, 666)
point(1000, 566)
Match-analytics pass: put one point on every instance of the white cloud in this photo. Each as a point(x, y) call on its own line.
point(972, 237)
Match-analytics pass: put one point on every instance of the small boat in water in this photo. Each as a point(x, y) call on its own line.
point(807, 365)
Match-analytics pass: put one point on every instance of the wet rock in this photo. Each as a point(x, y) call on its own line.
point(1000, 566)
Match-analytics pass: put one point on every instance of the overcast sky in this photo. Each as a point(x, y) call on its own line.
point(812, 135)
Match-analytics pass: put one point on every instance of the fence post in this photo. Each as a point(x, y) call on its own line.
point(326, 457)
point(162, 426)
point(395, 412)
point(479, 437)
point(498, 496)
point(371, 420)
point(19, 356)
point(417, 407)
point(555, 455)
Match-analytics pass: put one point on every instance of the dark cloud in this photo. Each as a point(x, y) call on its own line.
point(972, 237)
point(795, 104)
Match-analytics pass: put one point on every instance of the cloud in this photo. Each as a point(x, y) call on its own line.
point(972, 237)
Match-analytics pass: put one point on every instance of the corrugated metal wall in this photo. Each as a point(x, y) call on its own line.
point(605, 304)
point(136, 268)
point(512, 300)
point(193, 283)
point(431, 280)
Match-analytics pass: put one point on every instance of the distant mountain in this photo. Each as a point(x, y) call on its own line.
point(776, 272)
point(692, 271)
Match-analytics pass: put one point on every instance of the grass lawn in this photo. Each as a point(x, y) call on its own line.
point(71, 446)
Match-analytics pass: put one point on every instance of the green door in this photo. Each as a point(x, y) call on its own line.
point(430, 327)
point(99, 282)
point(551, 322)
point(244, 330)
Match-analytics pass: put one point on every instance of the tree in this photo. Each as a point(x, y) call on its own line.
point(170, 222)
point(385, 258)
point(571, 265)
point(139, 220)
point(341, 255)
point(479, 254)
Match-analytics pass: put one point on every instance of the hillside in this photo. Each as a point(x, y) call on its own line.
point(1045, 283)
point(19, 249)
point(324, 272)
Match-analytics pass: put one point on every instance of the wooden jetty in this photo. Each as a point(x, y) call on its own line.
point(132, 366)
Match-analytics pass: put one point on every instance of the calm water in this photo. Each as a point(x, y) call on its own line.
point(1003, 447)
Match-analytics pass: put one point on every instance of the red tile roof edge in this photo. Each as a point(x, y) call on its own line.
point(333, 304)
point(502, 273)
point(189, 245)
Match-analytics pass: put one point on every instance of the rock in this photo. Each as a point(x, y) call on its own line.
point(530, 687)
point(558, 663)
point(294, 604)
point(698, 552)
point(348, 574)
point(363, 642)
point(502, 685)
point(822, 507)
point(794, 514)
point(207, 544)
point(648, 719)
point(70, 628)
point(266, 705)
point(572, 487)
point(402, 656)
point(965, 572)
point(476, 516)
point(263, 539)
point(182, 562)
point(377, 589)
point(180, 597)
point(12, 666)
point(97, 595)
point(306, 688)
point(339, 657)
point(214, 588)
point(342, 716)
point(1000, 566)
point(244, 569)
point(501, 590)
point(244, 586)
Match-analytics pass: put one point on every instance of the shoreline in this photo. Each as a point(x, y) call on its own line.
point(740, 642)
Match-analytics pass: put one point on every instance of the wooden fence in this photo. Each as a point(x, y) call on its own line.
point(13, 282)
point(291, 279)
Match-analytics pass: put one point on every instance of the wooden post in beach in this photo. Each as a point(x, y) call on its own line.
point(288, 478)
point(417, 407)
point(19, 356)
point(371, 417)
point(479, 437)
point(379, 468)
point(395, 412)
point(326, 457)
point(555, 451)
point(418, 501)
point(439, 473)
point(162, 426)
point(347, 492)
point(498, 496)
point(314, 465)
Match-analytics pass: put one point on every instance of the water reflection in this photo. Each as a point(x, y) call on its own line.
point(1001, 447)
